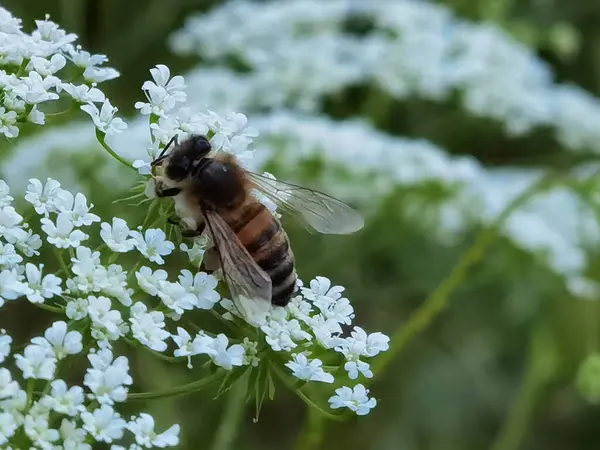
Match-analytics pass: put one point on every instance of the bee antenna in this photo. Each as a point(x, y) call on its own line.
point(173, 139)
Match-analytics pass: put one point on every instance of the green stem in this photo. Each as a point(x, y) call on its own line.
point(541, 369)
point(54, 309)
point(231, 418)
point(159, 355)
point(61, 261)
point(100, 136)
point(30, 386)
point(188, 388)
point(437, 301)
point(314, 431)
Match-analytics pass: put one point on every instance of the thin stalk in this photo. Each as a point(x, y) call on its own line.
point(437, 301)
point(189, 388)
point(231, 418)
point(100, 136)
point(313, 432)
point(542, 367)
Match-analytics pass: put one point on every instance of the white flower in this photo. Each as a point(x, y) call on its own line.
point(8, 119)
point(105, 119)
point(143, 429)
point(104, 424)
point(150, 281)
point(321, 293)
point(77, 208)
point(77, 309)
point(72, 436)
point(148, 327)
point(309, 370)
point(8, 426)
point(173, 86)
point(34, 89)
point(43, 198)
point(47, 67)
point(143, 167)
point(376, 342)
point(60, 341)
point(83, 93)
point(8, 387)
point(46, 287)
point(176, 297)
point(36, 116)
point(107, 379)
point(64, 400)
point(153, 244)
point(356, 399)
point(226, 357)
point(9, 222)
point(38, 429)
point(5, 198)
point(11, 286)
point(63, 234)
point(26, 241)
point(355, 366)
point(278, 337)
point(85, 261)
point(5, 341)
point(200, 345)
point(9, 257)
point(37, 362)
point(203, 286)
point(116, 236)
point(107, 323)
point(196, 252)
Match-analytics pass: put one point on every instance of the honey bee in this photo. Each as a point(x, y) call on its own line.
point(213, 193)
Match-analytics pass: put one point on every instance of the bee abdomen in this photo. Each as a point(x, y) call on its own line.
point(268, 245)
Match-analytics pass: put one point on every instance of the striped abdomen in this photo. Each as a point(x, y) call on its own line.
point(268, 244)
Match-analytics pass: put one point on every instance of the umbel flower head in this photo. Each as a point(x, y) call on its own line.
point(100, 299)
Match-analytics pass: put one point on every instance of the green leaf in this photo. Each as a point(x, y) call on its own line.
point(271, 386)
point(260, 390)
point(252, 382)
point(230, 379)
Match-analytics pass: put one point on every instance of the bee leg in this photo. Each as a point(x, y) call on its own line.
point(190, 228)
point(174, 220)
point(162, 190)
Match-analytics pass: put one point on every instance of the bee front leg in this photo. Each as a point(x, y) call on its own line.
point(162, 190)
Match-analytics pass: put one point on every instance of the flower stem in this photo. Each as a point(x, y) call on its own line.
point(542, 368)
point(314, 431)
point(231, 417)
point(61, 261)
point(437, 301)
point(30, 386)
point(101, 137)
point(50, 308)
point(188, 388)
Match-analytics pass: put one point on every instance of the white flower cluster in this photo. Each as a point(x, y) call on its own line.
point(31, 65)
point(144, 305)
point(302, 50)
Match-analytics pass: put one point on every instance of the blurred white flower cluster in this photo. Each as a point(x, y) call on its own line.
point(33, 67)
point(299, 51)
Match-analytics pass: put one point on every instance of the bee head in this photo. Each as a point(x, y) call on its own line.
point(185, 159)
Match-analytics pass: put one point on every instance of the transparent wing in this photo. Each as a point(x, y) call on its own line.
point(315, 210)
point(249, 285)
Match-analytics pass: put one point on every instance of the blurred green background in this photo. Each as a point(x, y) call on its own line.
point(497, 369)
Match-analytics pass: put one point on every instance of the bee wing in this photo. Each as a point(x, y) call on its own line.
point(249, 285)
point(315, 210)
